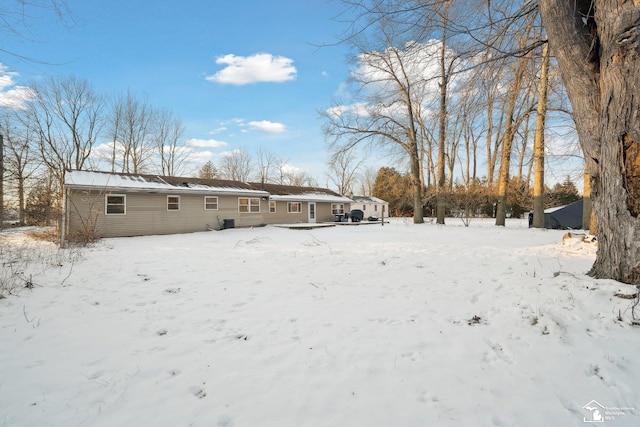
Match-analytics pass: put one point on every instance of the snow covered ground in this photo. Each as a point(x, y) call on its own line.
point(401, 325)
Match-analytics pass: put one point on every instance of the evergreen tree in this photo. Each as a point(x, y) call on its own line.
point(394, 188)
point(563, 193)
point(208, 171)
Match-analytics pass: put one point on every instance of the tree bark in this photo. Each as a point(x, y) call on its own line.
point(441, 201)
point(507, 142)
point(586, 203)
point(597, 44)
point(538, 143)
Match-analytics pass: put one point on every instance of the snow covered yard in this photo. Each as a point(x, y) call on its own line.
point(401, 325)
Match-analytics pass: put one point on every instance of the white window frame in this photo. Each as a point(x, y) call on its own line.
point(210, 203)
point(252, 205)
point(173, 203)
point(337, 208)
point(272, 206)
point(298, 204)
point(107, 204)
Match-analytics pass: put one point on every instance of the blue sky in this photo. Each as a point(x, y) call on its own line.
point(240, 74)
point(247, 73)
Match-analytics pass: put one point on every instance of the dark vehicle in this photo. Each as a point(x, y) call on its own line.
point(356, 215)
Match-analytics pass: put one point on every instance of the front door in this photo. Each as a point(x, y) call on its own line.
point(312, 212)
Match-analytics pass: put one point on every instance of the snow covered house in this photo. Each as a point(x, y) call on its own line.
point(103, 204)
point(292, 204)
point(371, 206)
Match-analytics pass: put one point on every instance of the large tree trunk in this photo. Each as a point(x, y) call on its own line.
point(416, 183)
point(441, 201)
point(507, 142)
point(597, 44)
point(538, 143)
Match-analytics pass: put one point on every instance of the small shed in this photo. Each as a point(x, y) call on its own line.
point(567, 217)
point(371, 206)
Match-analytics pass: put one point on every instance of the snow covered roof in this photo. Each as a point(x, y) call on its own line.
point(367, 199)
point(291, 193)
point(142, 182)
point(310, 197)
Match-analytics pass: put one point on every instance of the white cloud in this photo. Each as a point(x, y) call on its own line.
point(12, 96)
point(219, 130)
point(104, 151)
point(267, 126)
point(359, 109)
point(293, 170)
point(234, 152)
point(205, 143)
point(200, 157)
point(419, 63)
point(261, 67)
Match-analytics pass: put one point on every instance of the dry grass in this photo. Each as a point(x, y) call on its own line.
point(46, 234)
point(23, 261)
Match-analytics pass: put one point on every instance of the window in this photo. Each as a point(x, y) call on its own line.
point(272, 206)
point(375, 208)
point(173, 203)
point(115, 204)
point(294, 207)
point(248, 204)
point(364, 207)
point(210, 203)
point(337, 208)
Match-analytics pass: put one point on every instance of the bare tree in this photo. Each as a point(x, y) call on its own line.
point(267, 165)
point(388, 115)
point(596, 45)
point(20, 159)
point(66, 115)
point(517, 88)
point(134, 132)
point(168, 131)
point(299, 178)
point(343, 171)
point(446, 62)
point(538, 187)
point(17, 15)
point(236, 165)
point(507, 142)
point(115, 125)
point(367, 180)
